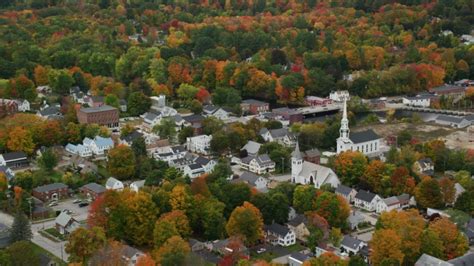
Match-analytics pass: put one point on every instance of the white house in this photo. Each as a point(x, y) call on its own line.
point(252, 148)
point(424, 166)
point(388, 204)
point(23, 105)
point(137, 185)
point(98, 145)
point(339, 96)
point(114, 184)
point(366, 142)
point(419, 100)
point(346, 192)
point(351, 245)
point(194, 170)
point(297, 259)
point(280, 135)
point(81, 150)
point(215, 111)
point(169, 153)
point(65, 223)
point(366, 200)
point(277, 234)
point(459, 190)
point(393, 203)
point(207, 164)
point(260, 164)
point(304, 172)
point(151, 118)
point(199, 144)
point(253, 180)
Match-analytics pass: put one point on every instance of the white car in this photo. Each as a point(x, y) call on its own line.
point(76, 201)
point(54, 203)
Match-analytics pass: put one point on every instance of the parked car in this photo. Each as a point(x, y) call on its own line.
point(76, 201)
point(83, 204)
point(54, 203)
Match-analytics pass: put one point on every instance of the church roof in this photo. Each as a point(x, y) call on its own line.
point(363, 136)
point(320, 173)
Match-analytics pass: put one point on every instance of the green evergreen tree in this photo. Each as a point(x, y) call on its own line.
point(21, 229)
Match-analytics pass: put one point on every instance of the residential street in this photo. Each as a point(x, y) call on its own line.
point(57, 249)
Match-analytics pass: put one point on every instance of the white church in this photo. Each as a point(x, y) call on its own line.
point(306, 173)
point(366, 142)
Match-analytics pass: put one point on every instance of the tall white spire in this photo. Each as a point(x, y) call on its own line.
point(344, 131)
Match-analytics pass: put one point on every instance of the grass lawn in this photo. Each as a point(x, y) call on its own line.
point(40, 250)
point(296, 247)
point(55, 233)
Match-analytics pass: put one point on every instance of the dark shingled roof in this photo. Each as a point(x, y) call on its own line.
point(344, 190)
point(299, 256)
point(277, 229)
point(299, 219)
point(365, 195)
point(14, 156)
point(363, 136)
point(350, 242)
point(95, 187)
point(132, 136)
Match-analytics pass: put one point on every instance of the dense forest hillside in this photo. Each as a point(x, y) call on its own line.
point(274, 50)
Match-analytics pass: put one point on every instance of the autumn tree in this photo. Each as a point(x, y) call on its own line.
point(20, 139)
point(246, 222)
point(172, 252)
point(22, 253)
point(41, 75)
point(139, 215)
point(163, 231)
point(179, 220)
point(121, 162)
point(409, 226)
point(303, 197)
point(83, 243)
point(386, 246)
point(454, 243)
point(333, 208)
point(138, 103)
point(431, 244)
point(428, 194)
point(447, 189)
point(48, 160)
point(350, 166)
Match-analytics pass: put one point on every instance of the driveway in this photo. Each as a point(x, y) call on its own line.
point(80, 214)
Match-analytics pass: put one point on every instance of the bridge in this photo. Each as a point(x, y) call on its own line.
point(311, 110)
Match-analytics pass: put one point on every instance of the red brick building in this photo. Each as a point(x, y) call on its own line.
point(50, 192)
point(254, 106)
point(104, 115)
point(92, 190)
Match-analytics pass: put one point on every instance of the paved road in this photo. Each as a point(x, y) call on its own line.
point(56, 248)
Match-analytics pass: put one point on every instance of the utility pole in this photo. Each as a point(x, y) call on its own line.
point(31, 211)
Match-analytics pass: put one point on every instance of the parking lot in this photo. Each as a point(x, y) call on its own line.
point(80, 214)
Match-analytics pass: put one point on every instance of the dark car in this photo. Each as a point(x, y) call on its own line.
point(83, 204)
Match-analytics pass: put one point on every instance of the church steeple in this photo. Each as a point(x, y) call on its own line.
point(296, 153)
point(344, 131)
point(296, 163)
